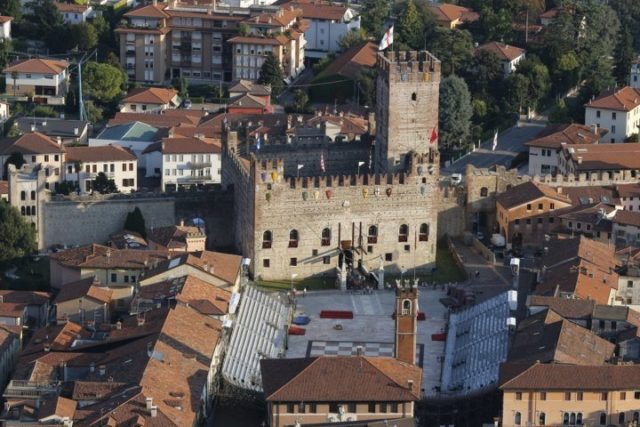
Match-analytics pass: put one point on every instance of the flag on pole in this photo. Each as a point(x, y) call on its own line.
point(300, 166)
point(322, 162)
point(434, 136)
point(495, 142)
point(258, 143)
point(387, 39)
point(360, 164)
point(370, 161)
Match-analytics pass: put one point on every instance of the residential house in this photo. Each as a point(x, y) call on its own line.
point(4, 112)
point(37, 150)
point(545, 149)
point(84, 302)
point(28, 191)
point(136, 136)
point(281, 34)
point(547, 17)
point(629, 195)
point(83, 164)
point(68, 131)
point(344, 72)
point(177, 238)
point(567, 394)
point(150, 99)
point(13, 314)
point(205, 298)
point(10, 345)
point(509, 56)
point(609, 159)
point(117, 269)
point(73, 13)
point(451, 15)
point(37, 304)
point(634, 79)
point(578, 268)
point(333, 388)
point(46, 80)
point(593, 220)
point(526, 213)
point(617, 110)
point(626, 227)
point(328, 23)
point(216, 268)
point(187, 162)
point(5, 27)
point(159, 42)
point(248, 97)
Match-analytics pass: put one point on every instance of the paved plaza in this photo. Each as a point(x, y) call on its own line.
point(372, 328)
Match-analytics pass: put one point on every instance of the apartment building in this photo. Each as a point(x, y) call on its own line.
point(617, 110)
point(161, 42)
point(280, 33)
point(83, 164)
point(36, 149)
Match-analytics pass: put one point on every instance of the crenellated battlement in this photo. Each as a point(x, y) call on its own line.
point(409, 66)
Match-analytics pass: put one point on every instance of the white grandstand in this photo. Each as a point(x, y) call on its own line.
point(259, 332)
point(477, 342)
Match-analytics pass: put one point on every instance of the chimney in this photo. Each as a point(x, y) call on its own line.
point(59, 139)
point(182, 223)
point(76, 131)
point(579, 160)
point(359, 350)
point(140, 320)
point(33, 128)
point(102, 369)
point(154, 411)
point(410, 384)
point(47, 347)
point(595, 128)
point(559, 190)
point(118, 325)
point(92, 367)
point(149, 401)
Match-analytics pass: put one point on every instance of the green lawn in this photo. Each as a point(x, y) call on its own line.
point(32, 272)
point(311, 284)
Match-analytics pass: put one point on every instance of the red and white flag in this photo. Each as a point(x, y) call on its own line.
point(387, 39)
point(322, 162)
point(434, 136)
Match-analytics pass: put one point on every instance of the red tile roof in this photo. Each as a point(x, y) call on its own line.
point(340, 379)
point(225, 266)
point(4, 19)
point(85, 288)
point(527, 193)
point(190, 145)
point(151, 95)
point(625, 99)
point(627, 218)
point(38, 66)
point(105, 153)
point(25, 297)
point(4, 187)
point(554, 136)
point(71, 7)
point(603, 156)
point(502, 51)
point(354, 61)
point(30, 143)
point(318, 9)
point(149, 11)
point(98, 256)
point(447, 13)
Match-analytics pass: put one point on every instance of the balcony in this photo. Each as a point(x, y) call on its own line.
point(30, 389)
point(194, 179)
point(130, 53)
point(198, 165)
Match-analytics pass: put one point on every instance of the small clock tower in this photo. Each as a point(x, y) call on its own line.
point(406, 324)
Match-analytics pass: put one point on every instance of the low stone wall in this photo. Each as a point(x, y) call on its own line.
point(486, 253)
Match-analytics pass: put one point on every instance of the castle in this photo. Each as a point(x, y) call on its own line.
point(315, 207)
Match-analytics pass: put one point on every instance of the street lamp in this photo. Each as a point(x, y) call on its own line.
point(402, 271)
point(293, 276)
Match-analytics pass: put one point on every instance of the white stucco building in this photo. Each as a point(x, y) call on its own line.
point(74, 13)
point(618, 111)
point(5, 27)
point(117, 163)
point(44, 79)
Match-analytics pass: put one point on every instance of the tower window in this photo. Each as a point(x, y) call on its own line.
point(293, 239)
point(406, 307)
point(326, 237)
point(424, 233)
point(414, 97)
point(403, 233)
point(266, 240)
point(373, 234)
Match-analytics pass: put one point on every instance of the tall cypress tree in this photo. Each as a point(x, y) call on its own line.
point(271, 74)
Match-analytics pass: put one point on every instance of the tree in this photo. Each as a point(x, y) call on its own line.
point(94, 113)
point(16, 159)
point(182, 86)
point(135, 222)
point(538, 81)
point(624, 56)
point(83, 36)
point(485, 73)
point(410, 26)
point(373, 15)
point(103, 185)
point(44, 22)
point(454, 48)
point(11, 8)
point(455, 114)
point(301, 101)
point(17, 237)
point(103, 82)
point(560, 113)
point(271, 74)
point(352, 38)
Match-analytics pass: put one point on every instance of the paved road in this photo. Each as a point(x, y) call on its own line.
point(510, 143)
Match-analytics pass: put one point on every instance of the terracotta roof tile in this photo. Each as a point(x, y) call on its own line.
point(25, 297)
point(319, 9)
point(225, 266)
point(151, 95)
point(625, 99)
point(502, 51)
point(627, 218)
point(98, 256)
point(4, 187)
point(59, 406)
point(528, 192)
point(38, 66)
point(30, 143)
point(71, 7)
point(353, 62)
point(569, 308)
point(554, 136)
point(183, 145)
point(173, 236)
point(149, 11)
point(105, 153)
point(450, 12)
point(603, 156)
point(628, 190)
point(340, 378)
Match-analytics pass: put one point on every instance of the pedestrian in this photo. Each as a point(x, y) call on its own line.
point(304, 292)
point(477, 273)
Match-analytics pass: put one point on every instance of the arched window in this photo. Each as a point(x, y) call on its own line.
point(484, 192)
point(636, 416)
point(326, 237)
point(579, 419)
point(372, 237)
point(603, 418)
point(565, 419)
point(33, 210)
point(293, 238)
point(266, 239)
point(23, 195)
point(414, 96)
point(28, 211)
point(423, 236)
point(621, 418)
point(22, 211)
point(572, 419)
point(542, 419)
point(33, 195)
point(406, 307)
point(517, 419)
point(403, 233)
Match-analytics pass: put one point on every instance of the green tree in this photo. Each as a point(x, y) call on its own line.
point(485, 73)
point(495, 26)
point(271, 74)
point(44, 22)
point(83, 36)
point(410, 26)
point(103, 82)
point(517, 89)
point(182, 86)
point(135, 222)
point(539, 81)
point(94, 113)
point(103, 185)
point(455, 114)
point(352, 38)
point(243, 29)
point(301, 101)
point(17, 237)
point(454, 49)
point(560, 113)
point(16, 159)
point(373, 15)
point(6, 47)
point(11, 8)
point(624, 56)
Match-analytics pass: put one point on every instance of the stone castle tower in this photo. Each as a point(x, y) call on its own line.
point(407, 93)
point(406, 324)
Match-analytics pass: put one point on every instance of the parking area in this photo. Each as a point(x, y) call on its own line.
point(372, 328)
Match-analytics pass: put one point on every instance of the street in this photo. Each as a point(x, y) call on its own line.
point(510, 143)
